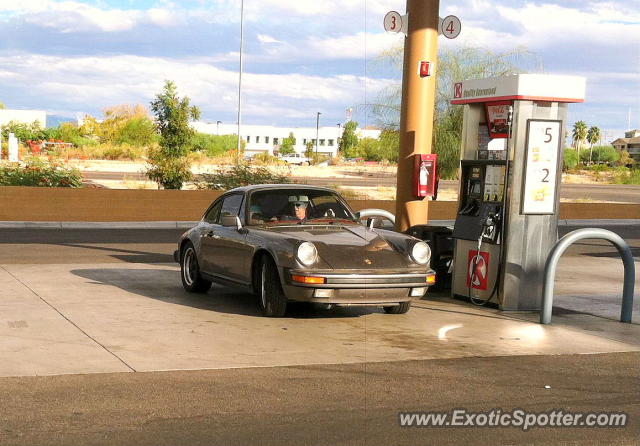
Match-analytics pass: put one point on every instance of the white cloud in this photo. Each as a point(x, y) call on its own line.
point(92, 83)
point(267, 39)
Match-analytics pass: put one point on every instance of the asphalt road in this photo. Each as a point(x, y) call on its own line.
point(337, 404)
point(323, 405)
point(596, 192)
point(44, 246)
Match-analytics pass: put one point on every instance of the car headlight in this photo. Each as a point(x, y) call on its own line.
point(421, 253)
point(307, 253)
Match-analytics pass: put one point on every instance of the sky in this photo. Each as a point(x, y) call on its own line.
point(73, 57)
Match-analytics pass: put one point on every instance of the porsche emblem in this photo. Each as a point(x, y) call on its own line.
point(367, 261)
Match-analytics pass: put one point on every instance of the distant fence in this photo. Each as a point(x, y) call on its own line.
point(91, 205)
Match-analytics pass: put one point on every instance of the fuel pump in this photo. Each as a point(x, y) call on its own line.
point(506, 222)
point(479, 224)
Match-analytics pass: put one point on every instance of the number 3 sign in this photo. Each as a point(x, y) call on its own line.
point(393, 22)
point(541, 166)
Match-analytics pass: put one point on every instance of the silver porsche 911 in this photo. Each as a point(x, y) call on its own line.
point(301, 243)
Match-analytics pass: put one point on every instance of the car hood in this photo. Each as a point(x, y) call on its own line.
point(349, 246)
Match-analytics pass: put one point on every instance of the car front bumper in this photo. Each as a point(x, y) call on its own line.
point(371, 288)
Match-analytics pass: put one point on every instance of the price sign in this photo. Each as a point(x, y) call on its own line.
point(541, 166)
point(451, 27)
point(393, 22)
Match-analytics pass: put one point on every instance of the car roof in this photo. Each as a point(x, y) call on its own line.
point(255, 187)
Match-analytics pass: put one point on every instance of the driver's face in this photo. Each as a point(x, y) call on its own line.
point(301, 209)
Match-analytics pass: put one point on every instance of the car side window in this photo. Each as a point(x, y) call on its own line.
point(230, 206)
point(213, 213)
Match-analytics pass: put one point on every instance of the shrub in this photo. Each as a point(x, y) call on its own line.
point(570, 159)
point(265, 158)
point(170, 172)
point(601, 154)
point(241, 174)
point(35, 172)
point(103, 152)
point(213, 145)
point(137, 132)
point(627, 176)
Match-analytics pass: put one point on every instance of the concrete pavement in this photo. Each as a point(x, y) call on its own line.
point(129, 358)
point(105, 301)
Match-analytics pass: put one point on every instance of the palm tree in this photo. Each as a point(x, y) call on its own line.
point(593, 136)
point(579, 134)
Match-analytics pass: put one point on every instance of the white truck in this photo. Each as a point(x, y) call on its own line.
point(296, 159)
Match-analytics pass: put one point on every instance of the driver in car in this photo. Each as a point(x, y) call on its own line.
point(300, 206)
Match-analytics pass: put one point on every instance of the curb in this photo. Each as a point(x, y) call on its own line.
point(97, 225)
point(190, 224)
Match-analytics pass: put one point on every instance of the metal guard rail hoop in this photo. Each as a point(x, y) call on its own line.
point(560, 248)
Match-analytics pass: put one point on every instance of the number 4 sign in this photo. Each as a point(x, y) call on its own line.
point(541, 166)
point(450, 27)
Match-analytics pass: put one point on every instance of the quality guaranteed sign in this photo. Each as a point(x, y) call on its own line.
point(535, 87)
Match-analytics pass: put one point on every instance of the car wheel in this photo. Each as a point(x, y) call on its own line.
point(401, 308)
point(273, 302)
point(192, 281)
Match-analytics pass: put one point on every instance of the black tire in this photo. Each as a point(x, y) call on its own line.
point(271, 298)
point(401, 308)
point(192, 281)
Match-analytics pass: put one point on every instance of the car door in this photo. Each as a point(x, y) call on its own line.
point(224, 248)
point(209, 223)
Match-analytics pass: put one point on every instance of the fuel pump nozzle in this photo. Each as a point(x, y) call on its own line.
point(489, 226)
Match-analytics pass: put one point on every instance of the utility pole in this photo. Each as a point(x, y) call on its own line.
point(417, 111)
point(241, 67)
point(317, 131)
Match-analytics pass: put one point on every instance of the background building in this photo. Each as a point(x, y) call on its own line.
point(23, 117)
point(262, 138)
point(630, 143)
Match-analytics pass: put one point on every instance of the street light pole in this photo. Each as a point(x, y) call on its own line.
point(417, 111)
point(317, 131)
point(239, 144)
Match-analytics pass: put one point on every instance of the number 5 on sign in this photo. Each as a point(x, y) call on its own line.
point(541, 167)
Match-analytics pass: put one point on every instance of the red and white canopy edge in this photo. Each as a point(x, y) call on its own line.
point(524, 87)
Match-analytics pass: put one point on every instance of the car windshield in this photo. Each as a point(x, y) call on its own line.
point(298, 206)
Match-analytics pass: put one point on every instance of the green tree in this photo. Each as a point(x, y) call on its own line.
point(124, 124)
point(570, 160)
point(309, 149)
point(286, 148)
point(2, 106)
point(349, 139)
point(455, 65)
point(593, 136)
point(169, 165)
point(580, 131)
point(389, 145)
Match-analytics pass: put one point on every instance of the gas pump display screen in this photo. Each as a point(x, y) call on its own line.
point(475, 188)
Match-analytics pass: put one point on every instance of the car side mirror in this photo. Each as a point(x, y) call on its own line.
point(231, 220)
